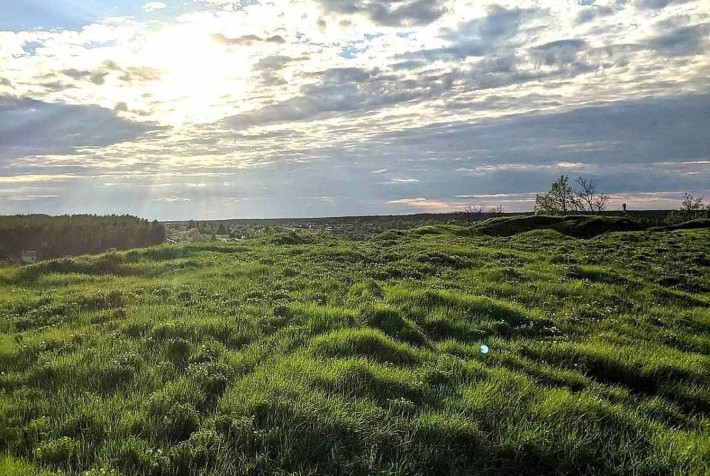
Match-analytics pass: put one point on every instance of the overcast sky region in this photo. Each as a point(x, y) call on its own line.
point(212, 109)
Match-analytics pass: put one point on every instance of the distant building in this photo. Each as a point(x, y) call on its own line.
point(29, 257)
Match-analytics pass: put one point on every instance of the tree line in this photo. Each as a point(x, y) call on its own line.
point(69, 235)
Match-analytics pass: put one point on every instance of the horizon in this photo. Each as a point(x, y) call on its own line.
point(489, 213)
point(204, 109)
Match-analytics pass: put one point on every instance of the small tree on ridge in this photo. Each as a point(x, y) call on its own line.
point(562, 199)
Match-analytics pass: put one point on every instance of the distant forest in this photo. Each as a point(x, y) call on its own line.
point(69, 235)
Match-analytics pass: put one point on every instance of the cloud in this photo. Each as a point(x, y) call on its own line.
point(646, 130)
point(340, 90)
point(31, 127)
point(275, 62)
point(477, 37)
point(275, 39)
point(593, 12)
point(401, 181)
point(682, 41)
point(395, 13)
point(345, 75)
point(172, 199)
point(94, 77)
point(657, 4)
point(498, 23)
point(247, 40)
point(558, 52)
point(154, 6)
point(57, 86)
point(574, 45)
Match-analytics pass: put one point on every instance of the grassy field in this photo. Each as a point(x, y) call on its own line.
point(297, 353)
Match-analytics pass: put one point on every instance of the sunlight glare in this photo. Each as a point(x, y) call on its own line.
point(198, 73)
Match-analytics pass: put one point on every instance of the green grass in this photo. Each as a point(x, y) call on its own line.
point(297, 353)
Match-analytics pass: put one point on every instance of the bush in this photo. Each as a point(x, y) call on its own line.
point(136, 456)
point(171, 420)
point(193, 455)
point(178, 351)
point(211, 377)
point(59, 452)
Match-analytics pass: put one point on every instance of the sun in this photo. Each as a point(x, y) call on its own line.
point(199, 76)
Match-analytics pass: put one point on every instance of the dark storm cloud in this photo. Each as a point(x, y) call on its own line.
point(390, 12)
point(31, 127)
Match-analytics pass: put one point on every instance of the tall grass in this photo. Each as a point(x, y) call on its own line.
point(305, 354)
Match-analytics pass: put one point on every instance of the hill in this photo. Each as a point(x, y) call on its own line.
point(364, 227)
point(579, 226)
point(300, 353)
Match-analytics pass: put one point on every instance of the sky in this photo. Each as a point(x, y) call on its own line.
point(216, 109)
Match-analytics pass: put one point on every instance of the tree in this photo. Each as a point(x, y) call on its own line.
point(691, 204)
point(157, 233)
point(562, 198)
point(587, 197)
point(471, 212)
point(559, 200)
point(692, 207)
point(496, 211)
